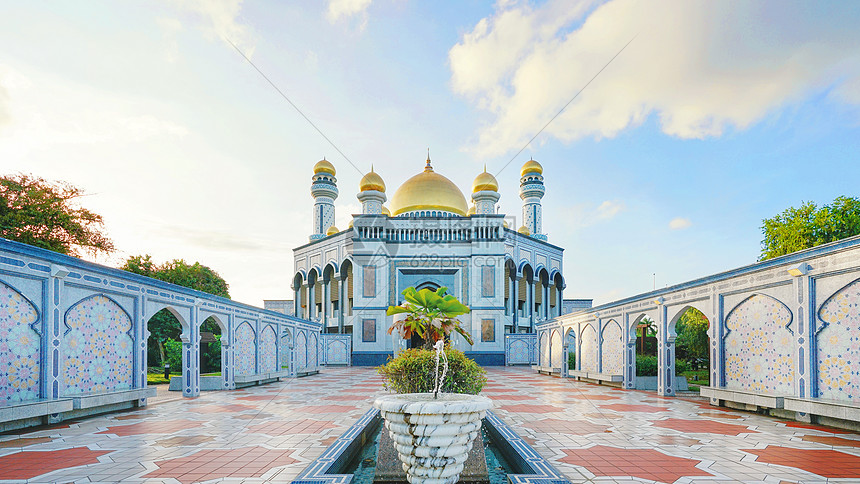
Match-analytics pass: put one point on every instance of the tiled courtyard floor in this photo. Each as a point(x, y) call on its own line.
point(589, 432)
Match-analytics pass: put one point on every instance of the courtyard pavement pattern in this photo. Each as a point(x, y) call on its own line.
point(589, 432)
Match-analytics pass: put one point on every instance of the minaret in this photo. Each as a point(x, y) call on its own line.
point(531, 191)
point(324, 191)
point(371, 193)
point(485, 193)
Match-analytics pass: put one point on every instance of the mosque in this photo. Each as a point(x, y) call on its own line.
point(428, 236)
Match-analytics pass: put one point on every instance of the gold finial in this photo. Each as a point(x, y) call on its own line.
point(428, 167)
point(371, 167)
point(485, 167)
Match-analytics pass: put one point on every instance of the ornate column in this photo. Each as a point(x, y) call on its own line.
point(227, 356)
point(716, 333)
point(665, 354)
point(599, 326)
point(342, 303)
point(515, 301)
point(629, 353)
point(191, 357)
point(803, 309)
point(51, 331)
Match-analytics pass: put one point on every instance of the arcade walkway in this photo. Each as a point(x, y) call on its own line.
point(589, 432)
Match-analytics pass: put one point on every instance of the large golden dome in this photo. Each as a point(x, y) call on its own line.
point(428, 191)
point(324, 166)
point(531, 166)
point(371, 181)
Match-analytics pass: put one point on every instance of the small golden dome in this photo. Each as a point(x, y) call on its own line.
point(505, 224)
point(531, 166)
point(350, 224)
point(331, 231)
point(472, 211)
point(485, 181)
point(371, 181)
point(385, 211)
point(428, 190)
point(524, 230)
point(324, 166)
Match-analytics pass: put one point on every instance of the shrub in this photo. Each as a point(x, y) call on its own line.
point(646, 365)
point(413, 371)
point(681, 366)
point(173, 352)
point(571, 361)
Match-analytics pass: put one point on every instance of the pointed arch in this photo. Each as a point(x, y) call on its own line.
point(268, 350)
point(285, 349)
point(96, 347)
point(543, 346)
point(759, 346)
point(612, 346)
point(838, 355)
point(244, 349)
point(20, 346)
point(556, 349)
point(588, 348)
point(301, 350)
point(313, 350)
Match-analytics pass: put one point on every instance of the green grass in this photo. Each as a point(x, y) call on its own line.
point(217, 373)
point(156, 379)
point(697, 379)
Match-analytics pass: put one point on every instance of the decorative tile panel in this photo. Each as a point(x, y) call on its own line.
point(613, 350)
point(246, 354)
point(19, 347)
point(268, 350)
point(544, 348)
point(313, 351)
point(759, 347)
point(839, 345)
point(285, 349)
point(301, 349)
point(96, 349)
point(557, 350)
point(588, 352)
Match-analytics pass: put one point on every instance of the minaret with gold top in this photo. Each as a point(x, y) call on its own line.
point(372, 193)
point(485, 193)
point(324, 191)
point(531, 192)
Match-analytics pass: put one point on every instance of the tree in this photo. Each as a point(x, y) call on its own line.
point(432, 315)
point(164, 326)
point(692, 331)
point(39, 213)
point(808, 226)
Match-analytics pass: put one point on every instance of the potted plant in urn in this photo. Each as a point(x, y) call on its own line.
point(432, 430)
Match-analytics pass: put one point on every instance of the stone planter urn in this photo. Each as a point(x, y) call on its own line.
point(433, 436)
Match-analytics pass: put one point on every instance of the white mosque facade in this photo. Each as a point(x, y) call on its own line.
point(427, 236)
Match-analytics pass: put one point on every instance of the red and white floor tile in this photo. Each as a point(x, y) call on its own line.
point(591, 433)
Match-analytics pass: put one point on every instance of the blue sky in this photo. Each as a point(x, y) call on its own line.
point(716, 116)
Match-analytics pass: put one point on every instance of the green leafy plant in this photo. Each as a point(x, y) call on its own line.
point(430, 315)
point(413, 371)
point(646, 365)
point(571, 361)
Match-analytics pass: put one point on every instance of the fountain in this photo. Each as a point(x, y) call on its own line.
point(433, 433)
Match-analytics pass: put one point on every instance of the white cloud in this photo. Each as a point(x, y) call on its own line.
point(220, 19)
point(679, 223)
point(346, 9)
point(609, 209)
point(5, 113)
point(700, 67)
point(51, 113)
